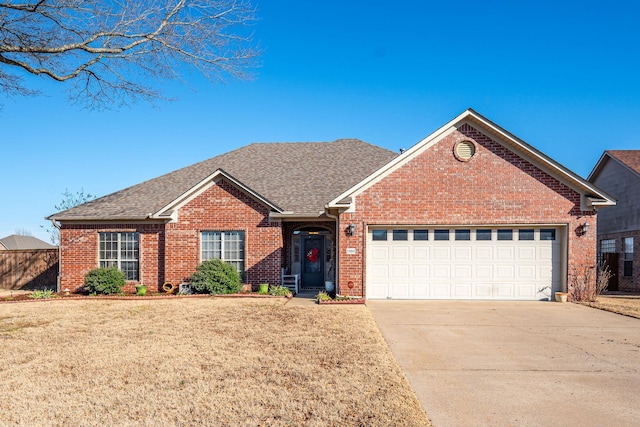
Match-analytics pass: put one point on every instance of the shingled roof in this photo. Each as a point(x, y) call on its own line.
point(631, 158)
point(16, 242)
point(299, 178)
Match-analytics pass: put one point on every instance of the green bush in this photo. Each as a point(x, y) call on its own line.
point(215, 277)
point(41, 294)
point(279, 291)
point(104, 281)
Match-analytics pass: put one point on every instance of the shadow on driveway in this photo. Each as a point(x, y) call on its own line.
point(516, 363)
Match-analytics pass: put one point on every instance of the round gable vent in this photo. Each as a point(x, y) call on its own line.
point(464, 150)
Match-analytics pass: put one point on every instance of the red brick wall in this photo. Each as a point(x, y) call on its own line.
point(494, 187)
point(170, 252)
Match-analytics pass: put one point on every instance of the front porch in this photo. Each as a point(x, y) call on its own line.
point(310, 254)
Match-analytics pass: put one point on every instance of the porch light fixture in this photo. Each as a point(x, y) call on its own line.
point(584, 228)
point(351, 229)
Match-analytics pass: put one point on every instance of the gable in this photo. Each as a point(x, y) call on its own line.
point(495, 185)
point(590, 196)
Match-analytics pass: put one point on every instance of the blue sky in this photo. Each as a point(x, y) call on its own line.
point(561, 75)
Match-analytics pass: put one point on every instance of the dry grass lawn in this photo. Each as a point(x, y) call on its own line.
point(627, 305)
point(186, 362)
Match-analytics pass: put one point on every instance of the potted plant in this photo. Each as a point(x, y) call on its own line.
point(141, 290)
point(263, 288)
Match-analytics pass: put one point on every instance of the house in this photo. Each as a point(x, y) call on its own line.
point(618, 173)
point(469, 212)
point(16, 242)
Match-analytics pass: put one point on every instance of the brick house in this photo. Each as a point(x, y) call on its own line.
point(618, 173)
point(469, 212)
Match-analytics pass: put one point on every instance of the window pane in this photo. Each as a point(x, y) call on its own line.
point(547, 234)
point(628, 245)
point(628, 269)
point(441, 234)
point(225, 245)
point(483, 234)
point(526, 234)
point(463, 234)
point(400, 235)
point(120, 250)
point(505, 234)
point(379, 234)
point(608, 246)
point(420, 234)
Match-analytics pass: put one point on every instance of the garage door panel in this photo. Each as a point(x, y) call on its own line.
point(462, 290)
point(441, 290)
point(442, 253)
point(379, 253)
point(464, 269)
point(462, 253)
point(400, 272)
point(400, 253)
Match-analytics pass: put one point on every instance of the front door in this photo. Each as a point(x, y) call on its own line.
point(312, 262)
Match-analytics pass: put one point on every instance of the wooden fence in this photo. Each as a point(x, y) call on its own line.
point(29, 269)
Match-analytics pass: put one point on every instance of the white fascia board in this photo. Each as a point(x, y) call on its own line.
point(204, 185)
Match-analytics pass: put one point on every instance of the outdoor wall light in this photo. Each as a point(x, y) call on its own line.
point(584, 228)
point(351, 229)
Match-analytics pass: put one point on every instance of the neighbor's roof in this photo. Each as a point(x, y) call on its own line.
point(17, 242)
point(628, 158)
point(299, 178)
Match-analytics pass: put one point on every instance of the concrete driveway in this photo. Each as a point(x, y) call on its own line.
point(516, 363)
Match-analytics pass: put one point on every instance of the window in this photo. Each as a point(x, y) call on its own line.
point(120, 250)
point(463, 234)
point(547, 234)
point(225, 245)
point(379, 234)
point(608, 246)
point(441, 234)
point(483, 234)
point(400, 235)
point(628, 257)
point(525, 234)
point(505, 234)
point(420, 234)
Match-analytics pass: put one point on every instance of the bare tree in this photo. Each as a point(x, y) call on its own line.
point(69, 200)
point(113, 50)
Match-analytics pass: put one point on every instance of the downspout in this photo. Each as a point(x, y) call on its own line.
point(55, 224)
point(337, 255)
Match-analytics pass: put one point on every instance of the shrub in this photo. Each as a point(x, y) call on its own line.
point(41, 294)
point(323, 296)
point(215, 277)
point(104, 281)
point(279, 291)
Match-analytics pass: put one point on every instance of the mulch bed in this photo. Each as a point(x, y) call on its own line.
point(59, 296)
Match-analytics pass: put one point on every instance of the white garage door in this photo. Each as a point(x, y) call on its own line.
point(464, 263)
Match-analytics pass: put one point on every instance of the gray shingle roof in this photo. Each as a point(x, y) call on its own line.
point(300, 177)
point(18, 242)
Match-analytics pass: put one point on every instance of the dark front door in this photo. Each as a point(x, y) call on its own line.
point(312, 262)
point(611, 260)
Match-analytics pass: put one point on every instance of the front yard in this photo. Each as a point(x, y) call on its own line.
point(209, 361)
point(628, 305)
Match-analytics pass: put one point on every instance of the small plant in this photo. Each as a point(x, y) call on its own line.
point(279, 291)
point(104, 281)
point(323, 296)
point(215, 276)
point(41, 294)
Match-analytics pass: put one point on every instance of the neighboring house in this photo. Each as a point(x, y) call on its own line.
point(618, 173)
point(469, 212)
point(17, 242)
